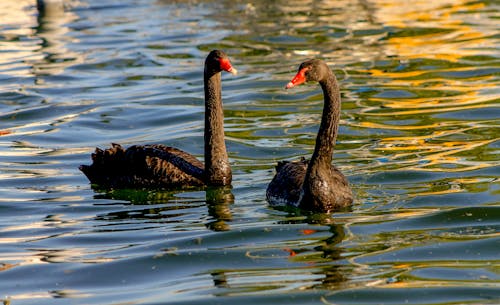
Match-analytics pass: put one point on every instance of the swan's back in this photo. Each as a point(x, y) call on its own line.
point(287, 188)
point(286, 185)
point(148, 166)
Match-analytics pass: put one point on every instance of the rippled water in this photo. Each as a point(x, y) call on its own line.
point(419, 143)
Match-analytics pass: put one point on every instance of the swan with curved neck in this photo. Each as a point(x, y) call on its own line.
point(159, 166)
point(314, 184)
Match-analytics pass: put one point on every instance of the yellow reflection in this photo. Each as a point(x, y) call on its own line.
point(442, 192)
point(440, 17)
point(372, 125)
point(412, 150)
point(422, 111)
point(445, 31)
point(439, 34)
point(432, 283)
point(394, 215)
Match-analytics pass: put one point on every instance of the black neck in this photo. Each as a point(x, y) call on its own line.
point(327, 134)
point(217, 168)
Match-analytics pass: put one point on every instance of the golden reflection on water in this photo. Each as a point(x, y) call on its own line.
point(443, 35)
point(451, 34)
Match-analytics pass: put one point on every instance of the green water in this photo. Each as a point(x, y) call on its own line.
point(419, 142)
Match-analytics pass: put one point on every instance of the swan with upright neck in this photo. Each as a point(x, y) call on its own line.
point(314, 184)
point(160, 166)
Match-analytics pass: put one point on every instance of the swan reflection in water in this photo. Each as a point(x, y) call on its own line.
point(317, 266)
point(168, 206)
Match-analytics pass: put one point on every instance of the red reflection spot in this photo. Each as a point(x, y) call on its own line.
point(308, 231)
point(290, 251)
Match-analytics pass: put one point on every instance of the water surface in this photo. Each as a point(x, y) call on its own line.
point(419, 142)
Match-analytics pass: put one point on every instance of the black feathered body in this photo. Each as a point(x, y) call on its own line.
point(287, 188)
point(144, 166)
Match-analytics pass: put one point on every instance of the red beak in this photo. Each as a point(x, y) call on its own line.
point(225, 65)
point(299, 78)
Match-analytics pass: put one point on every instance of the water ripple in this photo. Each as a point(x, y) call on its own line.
point(418, 141)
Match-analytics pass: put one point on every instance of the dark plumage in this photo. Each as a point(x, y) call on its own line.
point(159, 166)
point(314, 184)
point(149, 166)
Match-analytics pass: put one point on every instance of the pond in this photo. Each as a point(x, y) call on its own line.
point(419, 142)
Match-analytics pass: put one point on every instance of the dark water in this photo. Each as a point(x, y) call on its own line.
point(419, 143)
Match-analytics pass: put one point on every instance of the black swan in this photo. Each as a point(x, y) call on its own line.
point(159, 166)
point(315, 184)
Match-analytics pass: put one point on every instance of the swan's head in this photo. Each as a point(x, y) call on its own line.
point(314, 70)
point(218, 61)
